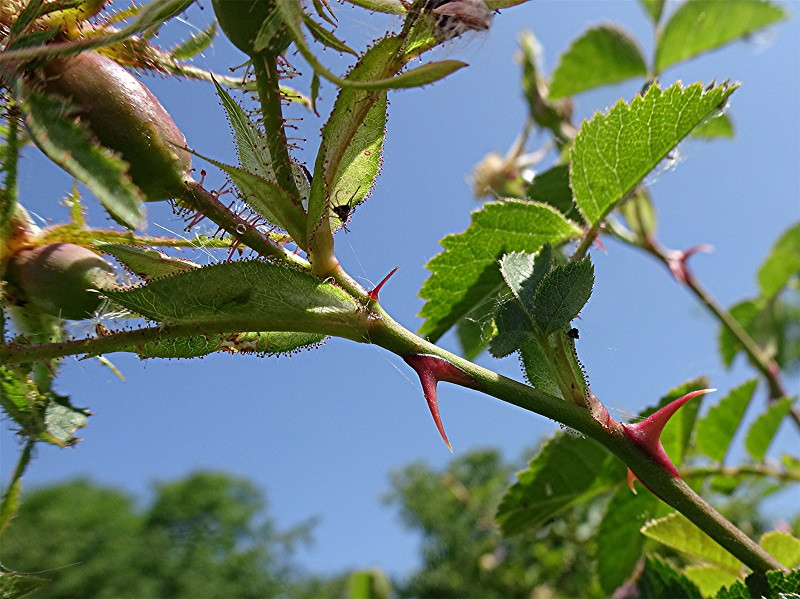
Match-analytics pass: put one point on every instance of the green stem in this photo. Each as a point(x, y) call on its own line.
point(70, 234)
point(269, 94)
point(10, 504)
point(759, 358)
point(744, 470)
point(208, 204)
point(391, 336)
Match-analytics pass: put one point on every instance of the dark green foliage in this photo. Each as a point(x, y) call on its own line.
point(202, 536)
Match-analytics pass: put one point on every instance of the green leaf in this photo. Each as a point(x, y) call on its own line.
point(325, 37)
point(146, 263)
point(266, 343)
point(267, 198)
point(737, 590)
point(745, 313)
point(292, 14)
point(640, 214)
point(524, 272)
point(659, 580)
point(538, 371)
point(762, 431)
point(477, 328)
point(561, 295)
point(514, 329)
point(676, 531)
point(368, 584)
point(715, 127)
point(13, 585)
point(601, 56)
point(245, 296)
point(613, 152)
point(716, 430)
point(698, 26)
point(654, 8)
point(783, 547)
point(552, 187)
point(784, 584)
point(709, 579)
point(466, 273)
point(251, 147)
point(345, 123)
point(17, 395)
point(51, 124)
point(782, 263)
point(568, 470)
point(619, 543)
point(361, 162)
point(61, 420)
point(196, 43)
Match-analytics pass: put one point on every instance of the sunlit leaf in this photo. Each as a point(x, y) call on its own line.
point(601, 56)
point(196, 43)
point(698, 26)
point(762, 431)
point(783, 547)
point(466, 272)
point(677, 532)
point(659, 580)
point(613, 152)
point(782, 263)
point(715, 431)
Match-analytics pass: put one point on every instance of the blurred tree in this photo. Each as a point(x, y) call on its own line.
point(463, 552)
point(206, 535)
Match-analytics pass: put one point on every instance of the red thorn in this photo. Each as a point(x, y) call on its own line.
point(677, 261)
point(647, 433)
point(431, 370)
point(632, 478)
point(373, 295)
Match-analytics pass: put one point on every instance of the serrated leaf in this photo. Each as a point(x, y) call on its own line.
point(28, 14)
point(762, 431)
point(566, 471)
point(659, 580)
point(145, 262)
point(345, 122)
point(784, 584)
point(524, 272)
point(265, 343)
point(716, 430)
point(783, 547)
point(245, 296)
point(678, 532)
point(677, 433)
point(514, 329)
point(561, 295)
point(601, 56)
point(14, 585)
point(698, 26)
point(613, 152)
point(709, 579)
point(552, 187)
point(654, 8)
point(714, 128)
point(538, 371)
point(782, 263)
point(69, 144)
point(465, 273)
point(196, 43)
point(745, 313)
point(619, 542)
point(61, 420)
point(267, 198)
point(18, 397)
point(361, 162)
point(251, 147)
point(737, 590)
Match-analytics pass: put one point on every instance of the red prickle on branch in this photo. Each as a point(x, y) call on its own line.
point(431, 370)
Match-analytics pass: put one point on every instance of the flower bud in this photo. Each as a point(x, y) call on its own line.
point(242, 20)
point(60, 279)
point(125, 117)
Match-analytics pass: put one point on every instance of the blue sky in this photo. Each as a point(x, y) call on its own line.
point(319, 431)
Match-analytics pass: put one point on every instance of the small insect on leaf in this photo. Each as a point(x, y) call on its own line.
point(344, 211)
point(573, 333)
